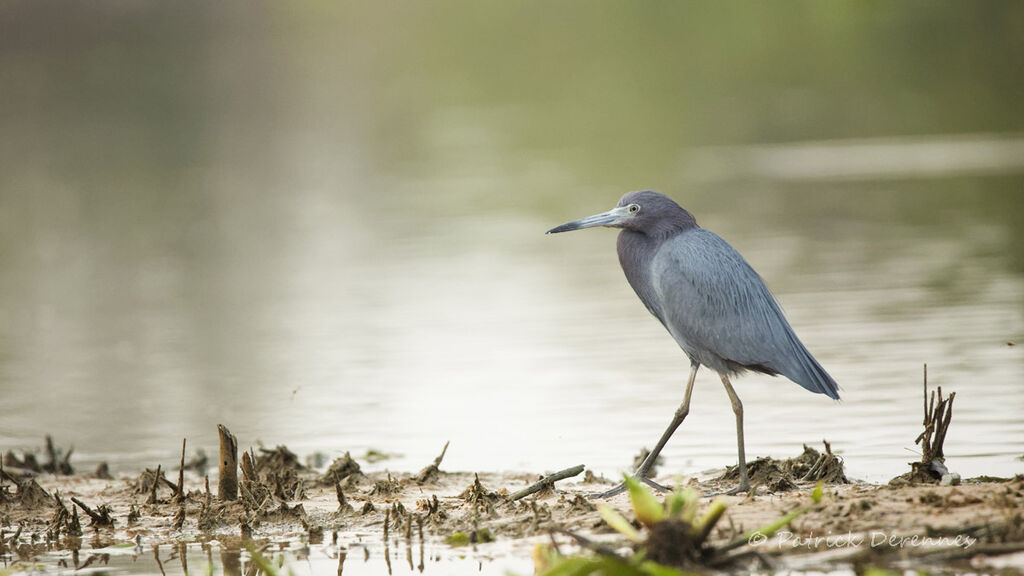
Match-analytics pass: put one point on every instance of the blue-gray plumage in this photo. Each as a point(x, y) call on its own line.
point(715, 306)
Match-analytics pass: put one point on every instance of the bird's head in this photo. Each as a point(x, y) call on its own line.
point(646, 212)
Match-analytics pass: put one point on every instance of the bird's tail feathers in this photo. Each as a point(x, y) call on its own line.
point(808, 373)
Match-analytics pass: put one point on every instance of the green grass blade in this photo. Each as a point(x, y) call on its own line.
point(647, 508)
point(819, 490)
point(619, 523)
point(707, 522)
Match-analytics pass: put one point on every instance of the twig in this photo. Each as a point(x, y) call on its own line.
point(169, 484)
point(343, 505)
point(433, 468)
point(180, 495)
point(546, 481)
point(101, 518)
point(51, 452)
point(65, 465)
point(248, 466)
point(156, 483)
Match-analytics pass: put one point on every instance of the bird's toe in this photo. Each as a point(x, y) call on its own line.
point(654, 484)
point(614, 491)
point(743, 488)
point(622, 488)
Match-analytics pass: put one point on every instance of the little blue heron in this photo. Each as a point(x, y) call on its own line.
point(715, 306)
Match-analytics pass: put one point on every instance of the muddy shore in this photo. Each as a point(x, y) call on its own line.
point(978, 524)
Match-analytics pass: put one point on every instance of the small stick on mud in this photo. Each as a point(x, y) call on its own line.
point(51, 451)
point(228, 483)
point(343, 505)
point(427, 473)
point(546, 481)
point(156, 484)
point(74, 527)
point(57, 465)
point(179, 494)
point(101, 518)
point(249, 467)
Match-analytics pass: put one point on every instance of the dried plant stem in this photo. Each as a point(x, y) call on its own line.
point(546, 481)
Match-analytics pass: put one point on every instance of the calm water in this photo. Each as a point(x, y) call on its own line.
point(324, 227)
point(359, 554)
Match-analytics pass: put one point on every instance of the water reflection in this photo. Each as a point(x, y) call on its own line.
point(232, 559)
point(268, 217)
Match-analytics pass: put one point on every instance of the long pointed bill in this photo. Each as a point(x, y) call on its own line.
point(609, 218)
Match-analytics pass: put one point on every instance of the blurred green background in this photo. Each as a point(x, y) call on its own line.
point(321, 223)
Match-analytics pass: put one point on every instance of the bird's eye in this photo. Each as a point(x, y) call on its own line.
point(634, 208)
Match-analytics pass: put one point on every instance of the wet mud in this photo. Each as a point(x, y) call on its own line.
point(49, 506)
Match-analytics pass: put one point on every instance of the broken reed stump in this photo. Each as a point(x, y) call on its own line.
point(228, 482)
point(249, 467)
point(179, 493)
point(58, 464)
point(433, 468)
point(343, 506)
point(156, 484)
point(827, 467)
point(938, 412)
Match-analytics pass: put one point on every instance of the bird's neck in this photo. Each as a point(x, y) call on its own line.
point(636, 250)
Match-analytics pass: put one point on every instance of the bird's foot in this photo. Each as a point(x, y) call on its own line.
point(744, 487)
point(622, 488)
point(614, 491)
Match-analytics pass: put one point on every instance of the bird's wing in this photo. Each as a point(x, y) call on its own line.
point(719, 309)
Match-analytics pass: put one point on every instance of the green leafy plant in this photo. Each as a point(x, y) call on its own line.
point(672, 537)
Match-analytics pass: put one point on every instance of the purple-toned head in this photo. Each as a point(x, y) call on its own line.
point(646, 211)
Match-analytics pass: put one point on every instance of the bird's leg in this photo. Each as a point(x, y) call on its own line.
point(648, 463)
point(677, 419)
point(737, 408)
